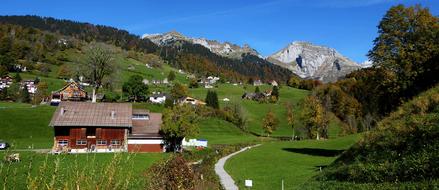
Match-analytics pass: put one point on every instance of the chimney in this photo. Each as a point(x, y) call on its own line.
point(113, 114)
point(62, 111)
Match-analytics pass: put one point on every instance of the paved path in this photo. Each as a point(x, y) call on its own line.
point(226, 180)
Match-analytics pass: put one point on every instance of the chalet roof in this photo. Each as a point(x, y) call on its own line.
point(69, 84)
point(87, 114)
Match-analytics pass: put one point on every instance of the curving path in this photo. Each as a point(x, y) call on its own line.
point(226, 180)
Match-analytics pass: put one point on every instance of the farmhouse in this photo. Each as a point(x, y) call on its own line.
point(5, 82)
point(191, 101)
point(71, 92)
point(82, 127)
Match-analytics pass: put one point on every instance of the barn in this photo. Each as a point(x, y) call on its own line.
point(81, 127)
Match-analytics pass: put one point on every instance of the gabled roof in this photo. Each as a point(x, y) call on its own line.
point(87, 114)
point(68, 85)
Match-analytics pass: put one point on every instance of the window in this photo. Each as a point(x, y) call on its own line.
point(81, 142)
point(63, 142)
point(115, 142)
point(101, 142)
point(140, 117)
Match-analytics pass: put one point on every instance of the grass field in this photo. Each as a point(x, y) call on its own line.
point(67, 169)
point(217, 131)
point(255, 111)
point(294, 162)
point(25, 126)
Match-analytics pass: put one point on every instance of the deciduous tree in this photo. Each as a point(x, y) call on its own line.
point(269, 123)
point(134, 88)
point(178, 122)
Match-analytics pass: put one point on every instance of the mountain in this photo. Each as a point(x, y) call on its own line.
point(225, 49)
point(314, 62)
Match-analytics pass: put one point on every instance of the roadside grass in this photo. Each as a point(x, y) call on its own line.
point(24, 126)
point(83, 171)
point(294, 162)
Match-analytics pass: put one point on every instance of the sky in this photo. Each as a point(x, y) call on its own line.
point(349, 26)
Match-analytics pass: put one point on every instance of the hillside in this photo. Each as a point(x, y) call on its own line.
point(194, 58)
point(403, 148)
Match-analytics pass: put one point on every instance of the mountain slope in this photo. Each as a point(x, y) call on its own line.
point(314, 62)
point(225, 49)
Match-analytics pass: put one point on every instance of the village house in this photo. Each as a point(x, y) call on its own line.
point(71, 92)
point(158, 98)
point(257, 83)
point(82, 127)
point(5, 82)
point(191, 101)
point(30, 85)
point(274, 83)
point(257, 96)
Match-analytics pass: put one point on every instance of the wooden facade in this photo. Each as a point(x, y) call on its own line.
point(81, 127)
point(71, 92)
point(90, 138)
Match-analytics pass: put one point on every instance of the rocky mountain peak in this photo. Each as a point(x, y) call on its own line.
point(225, 49)
point(313, 62)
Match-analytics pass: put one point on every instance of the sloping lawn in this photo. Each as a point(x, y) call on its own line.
point(217, 131)
point(25, 126)
point(293, 162)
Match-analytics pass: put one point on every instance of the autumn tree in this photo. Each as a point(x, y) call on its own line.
point(179, 90)
point(178, 122)
point(407, 45)
point(269, 123)
point(314, 118)
point(41, 93)
point(98, 66)
point(134, 88)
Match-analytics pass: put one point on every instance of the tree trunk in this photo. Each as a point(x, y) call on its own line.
point(93, 98)
point(318, 137)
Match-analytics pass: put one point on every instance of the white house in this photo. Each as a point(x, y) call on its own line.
point(158, 98)
point(194, 142)
point(273, 83)
point(145, 81)
point(31, 87)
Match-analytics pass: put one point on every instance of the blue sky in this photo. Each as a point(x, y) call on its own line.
point(346, 25)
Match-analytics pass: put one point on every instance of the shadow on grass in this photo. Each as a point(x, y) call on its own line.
point(315, 151)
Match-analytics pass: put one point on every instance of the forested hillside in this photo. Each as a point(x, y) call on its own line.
point(189, 57)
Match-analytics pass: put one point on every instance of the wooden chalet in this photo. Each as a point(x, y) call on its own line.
point(82, 127)
point(71, 92)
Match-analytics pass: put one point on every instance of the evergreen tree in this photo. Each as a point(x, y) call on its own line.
point(24, 95)
point(275, 92)
point(17, 77)
point(171, 75)
point(4, 94)
point(212, 99)
point(257, 90)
